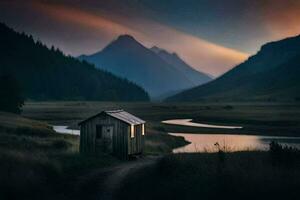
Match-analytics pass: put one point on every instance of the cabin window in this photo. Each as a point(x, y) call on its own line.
point(132, 131)
point(98, 132)
point(143, 129)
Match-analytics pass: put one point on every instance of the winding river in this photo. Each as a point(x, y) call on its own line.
point(188, 122)
point(213, 142)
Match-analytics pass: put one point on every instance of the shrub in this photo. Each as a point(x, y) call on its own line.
point(283, 155)
point(276, 148)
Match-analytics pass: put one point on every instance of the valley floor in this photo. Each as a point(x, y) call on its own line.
point(37, 163)
point(257, 118)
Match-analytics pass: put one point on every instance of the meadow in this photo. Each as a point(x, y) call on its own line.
point(37, 163)
point(257, 118)
point(239, 175)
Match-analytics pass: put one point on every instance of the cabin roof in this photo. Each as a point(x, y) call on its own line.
point(120, 115)
point(125, 116)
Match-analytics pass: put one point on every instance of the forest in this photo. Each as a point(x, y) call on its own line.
point(47, 74)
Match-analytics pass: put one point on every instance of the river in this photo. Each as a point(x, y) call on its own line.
point(65, 130)
point(213, 142)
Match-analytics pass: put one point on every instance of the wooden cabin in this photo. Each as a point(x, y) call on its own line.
point(117, 132)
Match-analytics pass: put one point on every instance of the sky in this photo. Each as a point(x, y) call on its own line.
point(211, 35)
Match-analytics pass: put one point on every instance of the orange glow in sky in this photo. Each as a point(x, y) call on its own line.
point(208, 37)
point(203, 55)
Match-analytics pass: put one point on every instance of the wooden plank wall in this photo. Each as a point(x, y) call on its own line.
point(136, 144)
point(123, 144)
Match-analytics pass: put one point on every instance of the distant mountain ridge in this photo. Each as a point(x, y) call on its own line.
point(47, 74)
point(273, 74)
point(127, 58)
point(173, 59)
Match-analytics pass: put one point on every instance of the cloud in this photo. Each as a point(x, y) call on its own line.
point(282, 18)
point(93, 27)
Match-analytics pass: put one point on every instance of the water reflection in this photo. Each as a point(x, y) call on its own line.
point(65, 130)
point(230, 143)
point(188, 122)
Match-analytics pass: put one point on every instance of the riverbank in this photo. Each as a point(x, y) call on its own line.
point(206, 143)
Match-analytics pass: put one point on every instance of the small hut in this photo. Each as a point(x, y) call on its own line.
point(117, 132)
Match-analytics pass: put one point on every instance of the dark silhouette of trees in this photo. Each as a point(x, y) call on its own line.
point(11, 98)
point(47, 74)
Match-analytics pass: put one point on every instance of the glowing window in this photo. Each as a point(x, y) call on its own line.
point(143, 129)
point(132, 131)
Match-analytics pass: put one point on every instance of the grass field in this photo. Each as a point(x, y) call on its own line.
point(240, 175)
point(256, 118)
point(37, 163)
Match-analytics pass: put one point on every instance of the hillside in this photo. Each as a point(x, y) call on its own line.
point(129, 59)
point(270, 75)
point(17, 123)
point(47, 74)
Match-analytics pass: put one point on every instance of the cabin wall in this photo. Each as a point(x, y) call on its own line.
point(89, 144)
point(123, 144)
point(87, 137)
point(136, 144)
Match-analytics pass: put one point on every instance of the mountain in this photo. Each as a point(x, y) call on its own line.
point(47, 74)
point(173, 59)
point(129, 59)
point(272, 74)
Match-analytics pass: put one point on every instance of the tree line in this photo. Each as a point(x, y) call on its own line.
point(43, 73)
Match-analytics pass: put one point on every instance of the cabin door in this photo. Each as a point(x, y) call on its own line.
point(107, 136)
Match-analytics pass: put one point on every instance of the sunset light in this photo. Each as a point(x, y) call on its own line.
point(149, 99)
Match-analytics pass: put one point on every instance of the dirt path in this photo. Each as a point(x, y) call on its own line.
point(119, 173)
point(106, 182)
